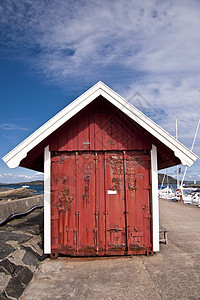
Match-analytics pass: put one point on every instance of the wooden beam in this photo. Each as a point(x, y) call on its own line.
point(155, 203)
point(47, 201)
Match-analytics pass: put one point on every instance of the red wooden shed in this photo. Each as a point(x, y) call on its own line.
point(100, 157)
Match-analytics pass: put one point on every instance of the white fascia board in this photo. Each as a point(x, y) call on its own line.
point(186, 157)
point(13, 158)
point(47, 201)
point(155, 202)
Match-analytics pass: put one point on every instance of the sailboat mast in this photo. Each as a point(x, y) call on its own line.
point(177, 167)
point(167, 178)
point(191, 150)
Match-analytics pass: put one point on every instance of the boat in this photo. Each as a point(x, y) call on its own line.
point(188, 195)
point(196, 198)
point(26, 186)
point(185, 195)
point(167, 193)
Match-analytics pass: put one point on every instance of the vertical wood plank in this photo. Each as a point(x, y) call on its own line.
point(83, 132)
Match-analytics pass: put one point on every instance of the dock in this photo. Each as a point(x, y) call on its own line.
point(173, 273)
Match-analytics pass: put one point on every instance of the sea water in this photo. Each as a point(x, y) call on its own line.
point(39, 189)
point(172, 186)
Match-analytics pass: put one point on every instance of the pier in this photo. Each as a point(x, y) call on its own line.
point(173, 273)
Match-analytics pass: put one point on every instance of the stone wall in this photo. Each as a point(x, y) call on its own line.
point(21, 252)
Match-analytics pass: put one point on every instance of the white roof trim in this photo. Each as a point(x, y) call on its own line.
point(14, 157)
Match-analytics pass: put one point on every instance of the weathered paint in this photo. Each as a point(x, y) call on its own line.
point(99, 127)
point(29, 153)
point(98, 206)
point(100, 187)
point(86, 218)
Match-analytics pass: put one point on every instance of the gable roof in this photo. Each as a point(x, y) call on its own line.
point(14, 157)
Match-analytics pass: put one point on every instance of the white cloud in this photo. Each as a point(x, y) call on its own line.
point(24, 176)
point(11, 126)
point(38, 175)
point(17, 178)
point(75, 37)
point(165, 102)
point(147, 46)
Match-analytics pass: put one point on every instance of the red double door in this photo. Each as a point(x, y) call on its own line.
point(100, 203)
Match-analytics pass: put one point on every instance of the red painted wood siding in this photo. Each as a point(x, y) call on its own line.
point(101, 203)
point(100, 127)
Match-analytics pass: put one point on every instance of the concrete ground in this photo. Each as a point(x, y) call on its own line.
point(173, 273)
point(11, 207)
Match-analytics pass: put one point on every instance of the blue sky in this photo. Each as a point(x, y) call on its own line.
point(52, 51)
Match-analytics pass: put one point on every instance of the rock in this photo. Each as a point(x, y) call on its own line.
point(3, 297)
point(20, 249)
point(33, 244)
point(30, 250)
point(16, 256)
point(33, 229)
point(20, 237)
point(5, 189)
point(21, 277)
point(14, 288)
point(5, 250)
point(30, 257)
point(4, 279)
point(16, 194)
point(7, 267)
point(40, 245)
point(13, 236)
point(23, 274)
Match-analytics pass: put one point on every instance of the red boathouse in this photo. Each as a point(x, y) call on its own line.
point(100, 157)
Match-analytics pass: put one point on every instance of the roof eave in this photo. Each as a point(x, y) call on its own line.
point(14, 157)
